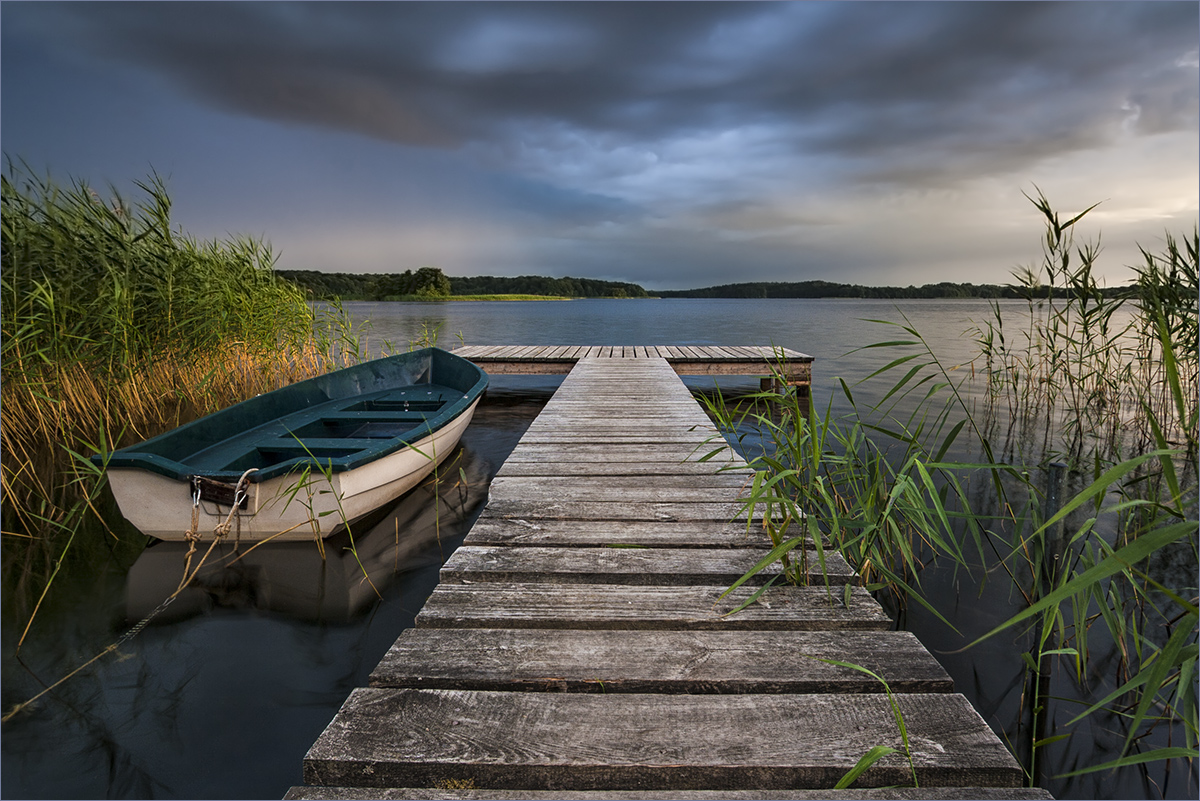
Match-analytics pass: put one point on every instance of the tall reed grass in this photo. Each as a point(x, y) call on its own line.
point(117, 326)
point(1088, 366)
point(1104, 576)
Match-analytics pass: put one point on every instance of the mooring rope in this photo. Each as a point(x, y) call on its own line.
point(192, 535)
point(238, 496)
point(192, 538)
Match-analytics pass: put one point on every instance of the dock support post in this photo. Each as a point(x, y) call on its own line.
point(771, 384)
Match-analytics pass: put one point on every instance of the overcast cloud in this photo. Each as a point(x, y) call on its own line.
point(675, 145)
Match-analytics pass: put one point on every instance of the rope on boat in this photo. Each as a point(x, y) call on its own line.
point(239, 495)
point(192, 535)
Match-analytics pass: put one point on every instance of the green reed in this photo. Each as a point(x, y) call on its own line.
point(880, 485)
point(1091, 356)
point(824, 482)
point(878, 752)
point(117, 326)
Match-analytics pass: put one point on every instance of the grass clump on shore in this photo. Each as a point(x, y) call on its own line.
point(117, 326)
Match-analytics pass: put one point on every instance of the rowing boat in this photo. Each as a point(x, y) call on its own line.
point(302, 461)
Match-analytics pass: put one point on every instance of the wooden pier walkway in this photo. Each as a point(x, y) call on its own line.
point(683, 359)
point(576, 646)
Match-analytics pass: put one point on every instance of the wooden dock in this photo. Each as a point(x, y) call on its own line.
point(576, 646)
point(683, 359)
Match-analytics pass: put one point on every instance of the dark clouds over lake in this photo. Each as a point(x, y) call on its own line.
point(675, 144)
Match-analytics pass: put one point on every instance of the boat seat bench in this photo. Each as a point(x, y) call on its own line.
point(333, 429)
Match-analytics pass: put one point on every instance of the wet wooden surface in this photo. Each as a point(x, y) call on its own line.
point(515, 531)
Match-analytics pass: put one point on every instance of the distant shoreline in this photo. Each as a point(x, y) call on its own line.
point(460, 298)
point(368, 287)
point(507, 297)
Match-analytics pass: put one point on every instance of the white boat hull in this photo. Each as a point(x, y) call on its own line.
point(288, 507)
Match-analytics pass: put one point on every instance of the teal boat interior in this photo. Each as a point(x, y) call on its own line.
point(337, 421)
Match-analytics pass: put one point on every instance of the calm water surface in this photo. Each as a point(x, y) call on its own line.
point(828, 330)
point(222, 694)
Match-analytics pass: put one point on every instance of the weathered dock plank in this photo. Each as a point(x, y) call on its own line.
point(569, 452)
point(653, 490)
point(588, 413)
point(616, 510)
point(863, 794)
point(564, 741)
point(492, 530)
point(682, 445)
point(629, 566)
point(637, 439)
point(534, 660)
point(644, 439)
point(524, 468)
point(631, 400)
point(602, 419)
point(599, 419)
point(607, 606)
point(713, 485)
point(603, 426)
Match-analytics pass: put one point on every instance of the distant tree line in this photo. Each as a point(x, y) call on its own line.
point(429, 283)
point(826, 289)
point(541, 285)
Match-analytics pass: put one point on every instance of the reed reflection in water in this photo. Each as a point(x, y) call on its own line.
point(226, 688)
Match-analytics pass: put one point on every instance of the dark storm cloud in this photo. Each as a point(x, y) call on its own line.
point(558, 206)
point(670, 144)
point(414, 73)
point(971, 88)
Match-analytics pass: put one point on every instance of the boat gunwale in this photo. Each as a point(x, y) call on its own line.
point(142, 455)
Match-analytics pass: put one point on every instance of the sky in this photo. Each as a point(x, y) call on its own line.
point(673, 145)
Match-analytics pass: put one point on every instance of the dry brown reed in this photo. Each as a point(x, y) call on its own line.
point(57, 409)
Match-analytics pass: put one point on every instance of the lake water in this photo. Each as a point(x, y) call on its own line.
point(224, 691)
point(828, 330)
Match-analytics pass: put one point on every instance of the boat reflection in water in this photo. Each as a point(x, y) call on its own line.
point(331, 580)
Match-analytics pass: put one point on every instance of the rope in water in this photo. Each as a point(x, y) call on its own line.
point(192, 537)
